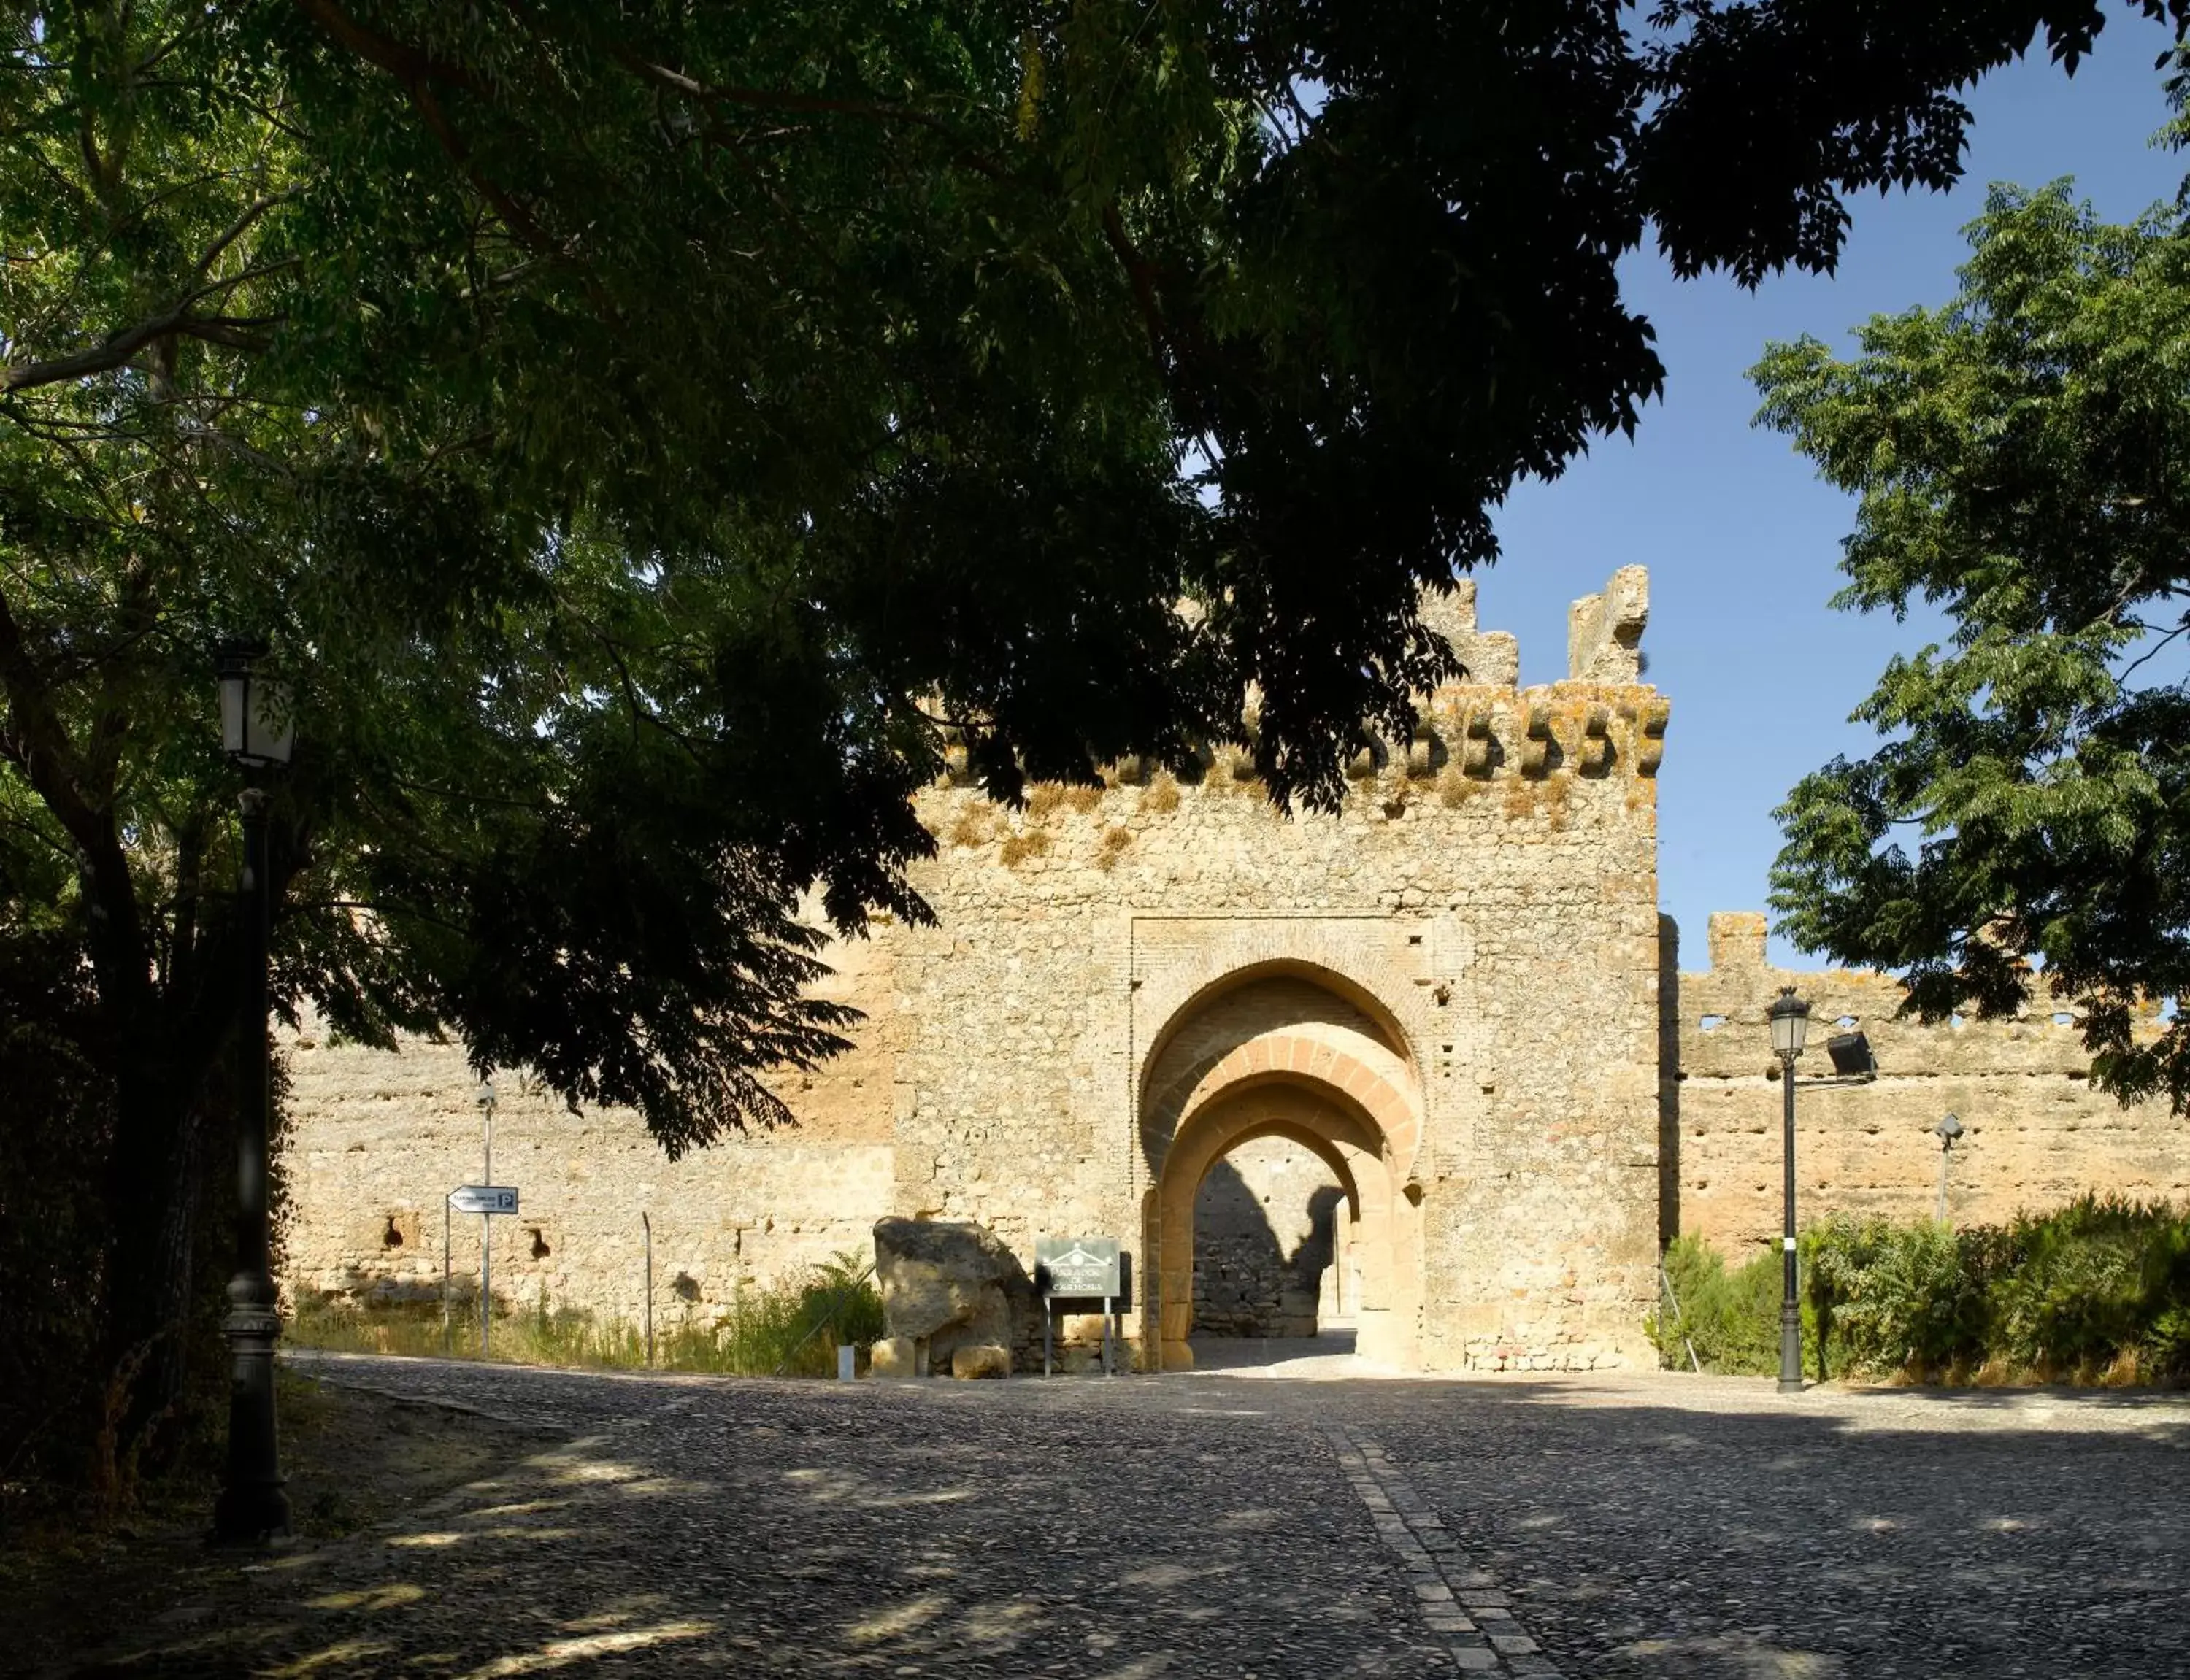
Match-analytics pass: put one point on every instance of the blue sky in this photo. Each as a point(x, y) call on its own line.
point(1741, 541)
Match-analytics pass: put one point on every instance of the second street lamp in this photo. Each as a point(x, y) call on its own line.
point(255, 733)
point(1790, 1030)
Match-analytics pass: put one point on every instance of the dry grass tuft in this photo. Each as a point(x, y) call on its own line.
point(1162, 794)
point(1015, 850)
point(1042, 799)
point(1456, 788)
point(971, 827)
point(1114, 842)
point(1083, 798)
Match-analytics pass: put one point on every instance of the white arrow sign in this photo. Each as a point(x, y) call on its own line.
point(484, 1198)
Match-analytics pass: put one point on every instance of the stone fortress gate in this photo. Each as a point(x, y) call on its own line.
point(1435, 1041)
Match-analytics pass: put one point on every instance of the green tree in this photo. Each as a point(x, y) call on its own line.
point(641, 432)
point(2022, 459)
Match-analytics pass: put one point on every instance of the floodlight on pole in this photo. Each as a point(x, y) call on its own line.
point(1946, 1131)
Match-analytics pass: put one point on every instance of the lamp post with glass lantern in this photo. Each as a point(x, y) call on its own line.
point(256, 734)
point(1790, 1030)
point(1852, 1065)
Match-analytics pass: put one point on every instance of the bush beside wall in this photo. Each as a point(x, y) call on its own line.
point(2095, 1292)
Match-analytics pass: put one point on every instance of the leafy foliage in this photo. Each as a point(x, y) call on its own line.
point(2096, 1290)
point(1729, 1317)
point(2022, 459)
point(643, 433)
point(1828, 99)
point(1888, 1296)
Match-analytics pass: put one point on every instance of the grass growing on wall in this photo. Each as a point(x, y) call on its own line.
point(2095, 1291)
point(791, 1328)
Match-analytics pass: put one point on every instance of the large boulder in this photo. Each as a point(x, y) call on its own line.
point(951, 1286)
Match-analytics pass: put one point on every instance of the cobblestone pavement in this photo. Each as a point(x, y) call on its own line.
point(1665, 1525)
point(1652, 1525)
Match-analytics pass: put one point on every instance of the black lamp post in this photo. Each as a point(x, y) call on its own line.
point(255, 731)
point(1790, 1029)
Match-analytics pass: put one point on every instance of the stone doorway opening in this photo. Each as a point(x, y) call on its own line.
point(1274, 1255)
point(1276, 1265)
point(1282, 1075)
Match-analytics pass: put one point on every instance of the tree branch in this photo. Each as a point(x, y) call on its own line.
point(2129, 671)
point(230, 332)
point(408, 64)
point(36, 739)
point(765, 99)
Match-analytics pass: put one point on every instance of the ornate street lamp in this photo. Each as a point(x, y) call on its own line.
point(256, 733)
point(1790, 1030)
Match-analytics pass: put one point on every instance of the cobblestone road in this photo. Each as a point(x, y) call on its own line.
point(1657, 1525)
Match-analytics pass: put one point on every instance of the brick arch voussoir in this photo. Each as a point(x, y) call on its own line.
point(1293, 1058)
point(1198, 1152)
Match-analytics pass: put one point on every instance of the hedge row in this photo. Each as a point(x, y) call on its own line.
point(2097, 1291)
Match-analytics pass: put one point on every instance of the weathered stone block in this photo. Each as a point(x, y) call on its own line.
point(895, 1356)
point(981, 1360)
point(951, 1284)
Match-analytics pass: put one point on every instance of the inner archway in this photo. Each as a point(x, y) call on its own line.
point(1272, 1258)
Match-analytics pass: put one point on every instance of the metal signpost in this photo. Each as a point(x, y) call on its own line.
point(486, 1201)
point(1078, 1268)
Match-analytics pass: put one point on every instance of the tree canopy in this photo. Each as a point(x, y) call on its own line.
point(2022, 459)
point(643, 433)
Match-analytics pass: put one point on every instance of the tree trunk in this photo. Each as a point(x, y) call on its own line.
point(156, 1188)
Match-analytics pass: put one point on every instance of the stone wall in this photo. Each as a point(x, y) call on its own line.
point(1155, 966)
point(380, 1139)
point(2036, 1135)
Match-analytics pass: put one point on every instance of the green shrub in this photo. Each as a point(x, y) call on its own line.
point(1888, 1296)
point(2098, 1290)
point(1731, 1318)
point(2093, 1282)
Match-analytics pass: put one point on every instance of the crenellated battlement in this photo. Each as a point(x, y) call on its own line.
point(1604, 634)
point(1601, 719)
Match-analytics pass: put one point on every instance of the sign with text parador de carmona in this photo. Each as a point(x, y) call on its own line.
point(1078, 1266)
point(484, 1199)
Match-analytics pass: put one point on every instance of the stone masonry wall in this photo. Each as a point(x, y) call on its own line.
point(1487, 888)
point(1478, 881)
point(381, 1138)
point(2036, 1135)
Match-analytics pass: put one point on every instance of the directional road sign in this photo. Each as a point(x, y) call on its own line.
point(484, 1198)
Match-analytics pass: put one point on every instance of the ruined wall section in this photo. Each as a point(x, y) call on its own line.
point(380, 1139)
point(2037, 1134)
